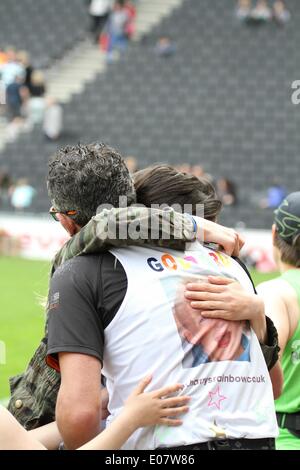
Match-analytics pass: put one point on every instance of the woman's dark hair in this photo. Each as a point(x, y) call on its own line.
point(163, 184)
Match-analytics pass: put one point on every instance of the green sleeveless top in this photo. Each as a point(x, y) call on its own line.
point(289, 401)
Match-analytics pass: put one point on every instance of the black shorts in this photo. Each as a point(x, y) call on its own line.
point(231, 444)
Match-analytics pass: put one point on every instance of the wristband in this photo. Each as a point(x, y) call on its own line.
point(194, 224)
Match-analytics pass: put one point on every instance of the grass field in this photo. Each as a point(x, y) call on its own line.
point(23, 284)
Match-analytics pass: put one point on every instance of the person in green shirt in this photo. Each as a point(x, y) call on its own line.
point(281, 297)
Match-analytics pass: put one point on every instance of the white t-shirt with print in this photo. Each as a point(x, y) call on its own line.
point(230, 398)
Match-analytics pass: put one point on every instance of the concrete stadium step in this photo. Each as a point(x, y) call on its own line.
point(68, 76)
point(151, 12)
point(80, 67)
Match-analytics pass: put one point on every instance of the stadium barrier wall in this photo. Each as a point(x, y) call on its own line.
point(30, 237)
point(39, 238)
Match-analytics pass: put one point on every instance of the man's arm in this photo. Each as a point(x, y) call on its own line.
point(78, 408)
point(75, 347)
point(164, 228)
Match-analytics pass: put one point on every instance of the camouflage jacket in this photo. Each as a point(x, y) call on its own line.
point(34, 393)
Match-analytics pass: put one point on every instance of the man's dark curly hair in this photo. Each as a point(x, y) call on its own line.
point(83, 177)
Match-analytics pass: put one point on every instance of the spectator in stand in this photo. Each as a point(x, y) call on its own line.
point(53, 120)
point(3, 59)
point(197, 170)
point(184, 168)
point(275, 195)
point(226, 192)
point(243, 9)
point(131, 9)
point(165, 47)
point(262, 12)
point(5, 184)
point(24, 60)
point(117, 27)
point(38, 86)
point(36, 103)
point(12, 68)
point(14, 100)
point(22, 195)
point(99, 12)
point(132, 164)
point(280, 13)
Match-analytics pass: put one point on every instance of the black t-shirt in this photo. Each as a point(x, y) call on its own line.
point(85, 294)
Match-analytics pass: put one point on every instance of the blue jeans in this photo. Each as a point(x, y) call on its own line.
point(116, 41)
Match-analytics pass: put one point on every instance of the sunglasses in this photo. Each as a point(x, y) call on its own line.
point(53, 212)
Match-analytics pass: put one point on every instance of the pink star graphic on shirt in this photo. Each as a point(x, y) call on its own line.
point(215, 398)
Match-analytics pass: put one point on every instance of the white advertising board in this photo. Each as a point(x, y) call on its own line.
point(40, 238)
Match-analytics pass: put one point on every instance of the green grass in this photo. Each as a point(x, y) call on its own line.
point(23, 283)
point(261, 277)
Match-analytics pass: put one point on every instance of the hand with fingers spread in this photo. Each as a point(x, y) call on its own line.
point(141, 409)
point(157, 407)
point(226, 299)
